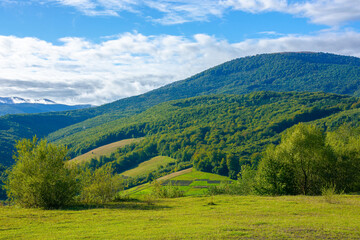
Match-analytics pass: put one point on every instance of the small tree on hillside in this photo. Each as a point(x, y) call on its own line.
point(39, 177)
point(100, 186)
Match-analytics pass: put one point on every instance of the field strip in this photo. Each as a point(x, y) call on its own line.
point(103, 150)
point(175, 174)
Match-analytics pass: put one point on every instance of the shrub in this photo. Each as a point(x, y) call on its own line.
point(39, 177)
point(330, 194)
point(167, 191)
point(100, 186)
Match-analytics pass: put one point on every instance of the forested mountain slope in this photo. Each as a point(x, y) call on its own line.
point(280, 72)
point(216, 130)
point(276, 72)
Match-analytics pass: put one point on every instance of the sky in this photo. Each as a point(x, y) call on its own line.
point(99, 51)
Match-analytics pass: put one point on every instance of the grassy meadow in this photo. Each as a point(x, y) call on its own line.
point(189, 181)
point(206, 217)
point(148, 166)
point(105, 150)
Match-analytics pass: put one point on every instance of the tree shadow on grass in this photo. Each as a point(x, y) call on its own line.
point(125, 205)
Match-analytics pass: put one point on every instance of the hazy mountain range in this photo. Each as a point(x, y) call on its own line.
point(16, 105)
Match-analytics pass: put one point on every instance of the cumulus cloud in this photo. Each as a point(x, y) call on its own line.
point(328, 12)
point(80, 71)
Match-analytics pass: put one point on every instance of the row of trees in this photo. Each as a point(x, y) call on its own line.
point(41, 178)
point(308, 160)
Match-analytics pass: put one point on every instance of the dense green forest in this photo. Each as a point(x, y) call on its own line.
point(276, 72)
point(215, 133)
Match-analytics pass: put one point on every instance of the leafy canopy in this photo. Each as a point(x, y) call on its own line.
point(39, 177)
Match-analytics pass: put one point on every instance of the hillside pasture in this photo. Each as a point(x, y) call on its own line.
point(190, 181)
point(148, 166)
point(105, 150)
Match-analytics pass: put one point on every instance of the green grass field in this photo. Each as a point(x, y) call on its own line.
point(105, 150)
point(190, 181)
point(148, 166)
point(218, 217)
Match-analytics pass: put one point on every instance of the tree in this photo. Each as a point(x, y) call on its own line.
point(233, 165)
point(2, 179)
point(345, 143)
point(39, 177)
point(100, 186)
point(300, 164)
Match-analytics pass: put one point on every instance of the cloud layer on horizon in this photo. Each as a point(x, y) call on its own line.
point(80, 71)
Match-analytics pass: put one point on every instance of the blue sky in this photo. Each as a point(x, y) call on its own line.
point(97, 51)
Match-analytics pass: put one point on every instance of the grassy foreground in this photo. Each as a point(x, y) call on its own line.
point(232, 217)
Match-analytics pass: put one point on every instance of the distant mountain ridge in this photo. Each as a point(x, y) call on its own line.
point(18, 100)
point(17, 105)
point(280, 72)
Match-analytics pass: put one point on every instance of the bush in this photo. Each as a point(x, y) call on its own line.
point(100, 186)
point(168, 191)
point(330, 195)
point(243, 186)
point(39, 177)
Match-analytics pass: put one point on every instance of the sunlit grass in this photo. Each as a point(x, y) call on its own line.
point(197, 187)
point(217, 217)
point(105, 150)
point(148, 166)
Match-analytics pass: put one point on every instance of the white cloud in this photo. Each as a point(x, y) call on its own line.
point(79, 71)
point(256, 6)
point(325, 12)
point(328, 12)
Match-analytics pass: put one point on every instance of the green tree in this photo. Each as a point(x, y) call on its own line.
point(2, 179)
point(39, 177)
point(300, 164)
point(100, 186)
point(275, 176)
point(233, 165)
point(345, 143)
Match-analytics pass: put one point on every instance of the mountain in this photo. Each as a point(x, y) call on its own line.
point(16, 105)
point(279, 72)
point(18, 100)
point(209, 131)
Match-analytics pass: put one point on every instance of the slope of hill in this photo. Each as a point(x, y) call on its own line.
point(276, 72)
point(189, 181)
point(266, 72)
point(105, 150)
point(212, 131)
point(149, 166)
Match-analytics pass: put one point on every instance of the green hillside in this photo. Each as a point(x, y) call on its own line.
point(189, 181)
point(276, 72)
point(105, 150)
point(281, 72)
point(216, 132)
point(149, 166)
